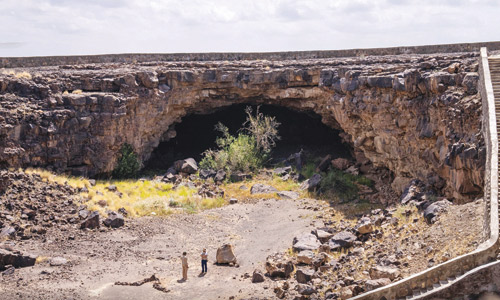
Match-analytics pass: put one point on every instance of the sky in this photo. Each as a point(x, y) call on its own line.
point(78, 27)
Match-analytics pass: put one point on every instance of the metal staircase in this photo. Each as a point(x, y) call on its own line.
point(443, 276)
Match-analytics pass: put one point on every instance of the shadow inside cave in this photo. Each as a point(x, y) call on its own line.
point(298, 130)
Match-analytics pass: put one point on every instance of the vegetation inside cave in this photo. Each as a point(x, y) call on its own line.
point(297, 130)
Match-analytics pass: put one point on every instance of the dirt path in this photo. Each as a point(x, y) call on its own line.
point(153, 245)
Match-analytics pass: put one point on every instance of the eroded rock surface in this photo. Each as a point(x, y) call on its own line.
point(418, 115)
point(30, 205)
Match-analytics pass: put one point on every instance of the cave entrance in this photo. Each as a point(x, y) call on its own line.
point(298, 130)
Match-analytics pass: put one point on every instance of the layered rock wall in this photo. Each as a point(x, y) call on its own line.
point(418, 115)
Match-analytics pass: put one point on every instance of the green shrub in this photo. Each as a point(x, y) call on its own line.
point(128, 163)
point(343, 185)
point(308, 169)
point(246, 152)
point(234, 154)
point(340, 184)
point(364, 181)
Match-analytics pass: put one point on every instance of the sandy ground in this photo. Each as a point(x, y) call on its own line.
point(148, 246)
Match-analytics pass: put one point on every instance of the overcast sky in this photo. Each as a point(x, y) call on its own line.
point(70, 27)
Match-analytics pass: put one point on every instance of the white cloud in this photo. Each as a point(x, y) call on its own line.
point(69, 27)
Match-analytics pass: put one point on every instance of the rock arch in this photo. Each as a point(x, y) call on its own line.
point(418, 115)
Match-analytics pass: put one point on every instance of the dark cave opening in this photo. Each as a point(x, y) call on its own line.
point(298, 130)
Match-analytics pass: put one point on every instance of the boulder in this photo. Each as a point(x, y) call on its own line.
point(376, 283)
point(412, 192)
point(389, 272)
point(83, 214)
point(280, 293)
point(225, 255)
point(123, 211)
point(320, 259)
point(304, 275)
point(207, 173)
point(306, 241)
point(305, 289)
point(311, 183)
point(436, 208)
point(91, 222)
point(114, 220)
point(340, 163)
point(187, 166)
point(220, 176)
point(342, 239)
point(286, 177)
point(188, 184)
point(305, 257)
point(8, 231)
point(239, 176)
point(288, 195)
point(323, 235)
point(279, 268)
point(112, 188)
point(171, 171)
point(170, 178)
point(233, 201)
point(364, 226)
point(16, 259)
point(282, 171)
point(257, 276)
point(470, 82)
point(259, 188)
point(331, 295)
point(346, 293)
point(208, 190)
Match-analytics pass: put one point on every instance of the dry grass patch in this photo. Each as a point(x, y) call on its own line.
point(138, 197)
point(41, 259)
point(147, 197)
point(60, 179)
point(22, 74)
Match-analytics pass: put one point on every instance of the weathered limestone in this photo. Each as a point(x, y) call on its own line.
point(418, 115)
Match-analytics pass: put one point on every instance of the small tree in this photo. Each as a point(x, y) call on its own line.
point(263, 128)
point(128, 163)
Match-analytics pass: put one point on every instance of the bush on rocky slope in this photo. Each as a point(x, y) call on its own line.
point(336, 183)
point(128, 163)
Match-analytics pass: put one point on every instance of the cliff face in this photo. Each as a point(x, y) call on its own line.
point(418, 115)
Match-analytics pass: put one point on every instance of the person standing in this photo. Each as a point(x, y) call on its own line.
point(185, 266)
point(204, 261)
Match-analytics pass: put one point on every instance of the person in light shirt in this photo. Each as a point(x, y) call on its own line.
point(204, 261)
point(185, 266)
